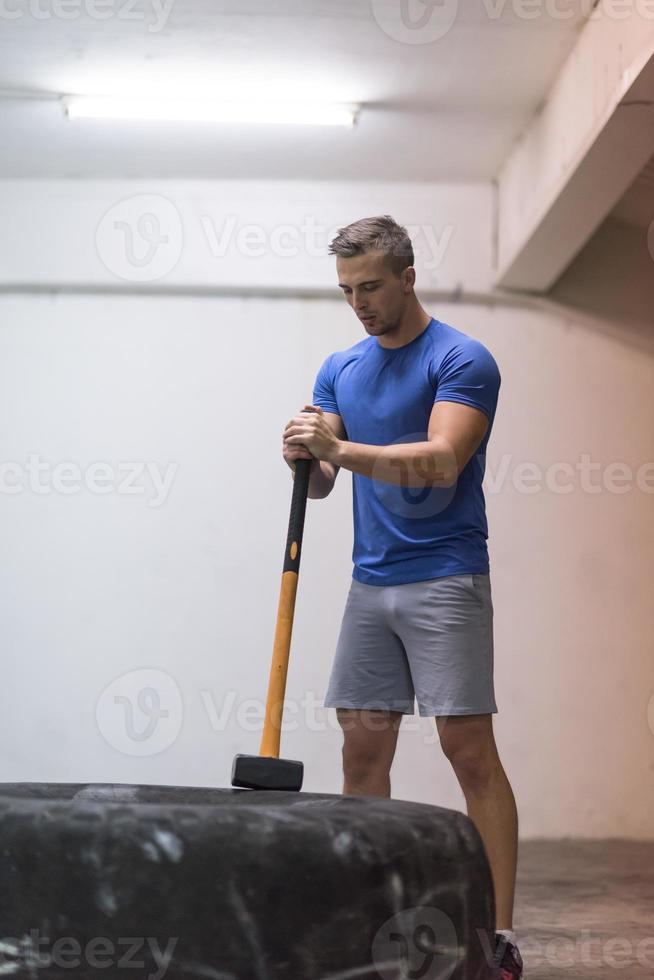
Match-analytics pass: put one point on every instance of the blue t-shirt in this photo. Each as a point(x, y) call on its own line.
point(383, 396)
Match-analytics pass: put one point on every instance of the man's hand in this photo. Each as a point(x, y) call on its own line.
point(313, 432)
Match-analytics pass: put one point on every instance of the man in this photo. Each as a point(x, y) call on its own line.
point(409, 411)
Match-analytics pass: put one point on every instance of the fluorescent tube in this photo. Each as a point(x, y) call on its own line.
point(203, 110)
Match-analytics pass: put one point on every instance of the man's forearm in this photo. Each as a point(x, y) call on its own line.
point(320, 480)
point(412, 464)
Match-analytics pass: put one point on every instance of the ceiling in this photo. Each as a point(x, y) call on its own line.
point(444, 101)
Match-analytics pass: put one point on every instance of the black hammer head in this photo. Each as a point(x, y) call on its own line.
point(266, 772)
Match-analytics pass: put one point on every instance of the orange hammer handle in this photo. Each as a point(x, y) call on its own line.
point(285, 611)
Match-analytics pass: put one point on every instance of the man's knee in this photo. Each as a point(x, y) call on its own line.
point(471, 750)
point(369, 740)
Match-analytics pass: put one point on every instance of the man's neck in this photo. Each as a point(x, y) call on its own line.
point(410, 328)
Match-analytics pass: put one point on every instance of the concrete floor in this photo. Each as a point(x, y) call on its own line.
point(584, 910)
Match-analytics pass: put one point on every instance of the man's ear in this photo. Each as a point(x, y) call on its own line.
point(409, 278)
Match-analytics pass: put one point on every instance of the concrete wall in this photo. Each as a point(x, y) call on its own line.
point(121, 606)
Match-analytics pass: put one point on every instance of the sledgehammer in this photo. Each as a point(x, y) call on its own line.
point(267, 770)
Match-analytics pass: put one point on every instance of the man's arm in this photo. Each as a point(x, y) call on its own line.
point(454, 434)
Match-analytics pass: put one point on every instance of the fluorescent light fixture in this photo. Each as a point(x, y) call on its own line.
point(203, 110)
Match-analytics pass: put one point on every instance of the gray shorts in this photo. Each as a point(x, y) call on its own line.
point(432, 640)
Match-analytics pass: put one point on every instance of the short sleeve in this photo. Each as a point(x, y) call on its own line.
point(323, 390)
point(469, 374)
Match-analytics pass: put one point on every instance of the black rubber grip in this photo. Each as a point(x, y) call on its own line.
point(296, 520)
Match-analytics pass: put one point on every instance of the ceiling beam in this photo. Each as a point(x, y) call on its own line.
point(589, 141)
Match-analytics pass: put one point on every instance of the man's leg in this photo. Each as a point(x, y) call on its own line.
point(369, 741)
point(469, 744)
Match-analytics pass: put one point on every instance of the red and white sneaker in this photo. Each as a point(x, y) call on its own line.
point(507, 963)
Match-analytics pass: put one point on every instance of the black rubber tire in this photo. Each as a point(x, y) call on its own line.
point(238, 885)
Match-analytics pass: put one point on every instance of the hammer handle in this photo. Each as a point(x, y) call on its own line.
point(270, 738)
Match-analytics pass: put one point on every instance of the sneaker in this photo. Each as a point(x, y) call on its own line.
point(507, 963)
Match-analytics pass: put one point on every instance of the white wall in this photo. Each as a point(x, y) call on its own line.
point(244, 235)
point(97, 586)
point(612, 282)
point(196, 377)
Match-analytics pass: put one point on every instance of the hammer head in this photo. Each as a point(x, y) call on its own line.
point(266, 772)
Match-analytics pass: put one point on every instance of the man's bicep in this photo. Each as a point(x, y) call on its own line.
point(460, 428)
point(335, 423)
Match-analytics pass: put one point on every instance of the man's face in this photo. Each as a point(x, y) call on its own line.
point(375, 293)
